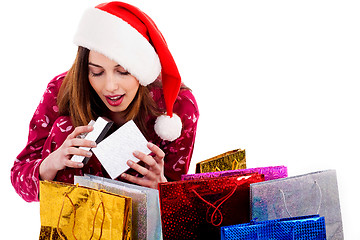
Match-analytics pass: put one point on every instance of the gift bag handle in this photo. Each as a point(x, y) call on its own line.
point(103, 220)
point(58, 223)
point(73, 227)
point(235, 165)
point(221, 200)
point(320, 199)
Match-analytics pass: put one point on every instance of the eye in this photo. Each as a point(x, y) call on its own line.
point(123, 72)
point(96, 74)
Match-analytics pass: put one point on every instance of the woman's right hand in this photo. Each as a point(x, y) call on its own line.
point(60, 158)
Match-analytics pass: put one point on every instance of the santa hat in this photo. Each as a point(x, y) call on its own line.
point(128, 36)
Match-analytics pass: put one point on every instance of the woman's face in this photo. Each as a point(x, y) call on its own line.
point(115, 86)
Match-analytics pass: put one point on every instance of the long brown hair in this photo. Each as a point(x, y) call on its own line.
point(79, 100)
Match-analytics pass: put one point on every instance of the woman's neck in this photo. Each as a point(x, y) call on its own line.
point(117, 117)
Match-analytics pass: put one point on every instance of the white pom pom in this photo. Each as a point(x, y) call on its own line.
point(168, 128)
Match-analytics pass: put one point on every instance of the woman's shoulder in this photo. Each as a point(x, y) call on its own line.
point(186, 96)
point(49, 98)
point(56, 82)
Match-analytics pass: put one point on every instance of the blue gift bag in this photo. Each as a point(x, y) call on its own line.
point(297, 228)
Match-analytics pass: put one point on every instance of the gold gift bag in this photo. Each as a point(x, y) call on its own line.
point(230, 160)
point(69, 211)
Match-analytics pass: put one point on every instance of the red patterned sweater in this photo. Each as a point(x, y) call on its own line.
point(48, 130)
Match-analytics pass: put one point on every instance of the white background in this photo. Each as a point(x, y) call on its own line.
point(278, 78)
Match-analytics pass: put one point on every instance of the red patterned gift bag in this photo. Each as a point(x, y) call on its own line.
point(196, 209)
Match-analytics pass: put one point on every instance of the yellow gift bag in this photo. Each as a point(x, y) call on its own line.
point(230, 160)
point(69, 211)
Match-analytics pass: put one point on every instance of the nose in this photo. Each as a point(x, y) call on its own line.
point(111, 84)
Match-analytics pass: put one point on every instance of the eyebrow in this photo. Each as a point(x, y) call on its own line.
point(95, 65)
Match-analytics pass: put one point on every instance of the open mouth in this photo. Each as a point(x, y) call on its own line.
point(115, 100)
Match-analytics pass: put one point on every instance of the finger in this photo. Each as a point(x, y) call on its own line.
point(136, 180)
point(147, 159)
point(159, 154)
point(81, 130)
point(140, 169)
point(72, 164)
point(79, 152)
point(78, 142)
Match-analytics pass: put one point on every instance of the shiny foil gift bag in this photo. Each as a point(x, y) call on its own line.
point(196, 209)
point(313, 193)
point(71, 212)
point(146, 221)
point(230, 160)
point(297, 228)
point(270, 173)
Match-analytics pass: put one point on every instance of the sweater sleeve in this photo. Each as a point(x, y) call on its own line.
point(25, 172)
point(179, 152)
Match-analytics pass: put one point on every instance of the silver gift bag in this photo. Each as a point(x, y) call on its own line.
point(146, 219)
point(313, 193)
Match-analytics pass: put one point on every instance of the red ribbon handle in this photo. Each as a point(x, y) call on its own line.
point(216, 208)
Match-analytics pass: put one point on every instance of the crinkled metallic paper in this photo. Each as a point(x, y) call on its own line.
point(196, 209)
point(313, 193)
point(146, 209)
point(297, 228)
point(230, 160)
point(74, 212)
point(270, 173)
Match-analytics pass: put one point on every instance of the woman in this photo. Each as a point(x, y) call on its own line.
point(123, 71)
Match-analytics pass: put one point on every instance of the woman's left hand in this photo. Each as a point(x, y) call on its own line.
point(153, 174)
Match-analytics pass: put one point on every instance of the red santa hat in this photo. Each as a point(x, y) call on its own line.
point(128, 36)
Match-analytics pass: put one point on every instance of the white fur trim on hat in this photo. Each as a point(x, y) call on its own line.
point(116, 39)
point(168, 128)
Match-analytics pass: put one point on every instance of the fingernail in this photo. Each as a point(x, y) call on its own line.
point(93, 144)
point(136, 153)
point(90, 127)
point(80, 164)
point(150, 144)
point(89, 154)
point(130, 162)
point(123, 175)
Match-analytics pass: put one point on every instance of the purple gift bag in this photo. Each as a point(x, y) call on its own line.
point(270, 173)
